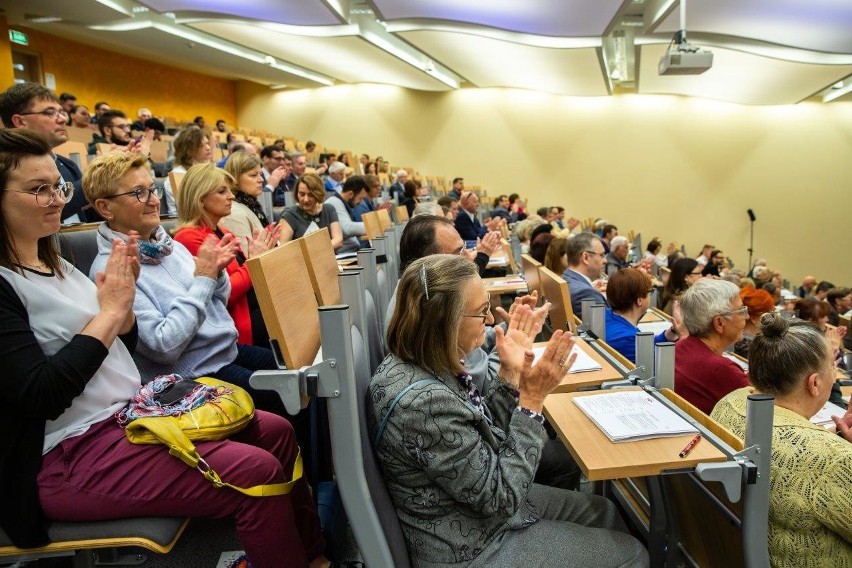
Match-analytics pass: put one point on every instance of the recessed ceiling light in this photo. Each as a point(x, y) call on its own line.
point(837, 85)
point(140, 9)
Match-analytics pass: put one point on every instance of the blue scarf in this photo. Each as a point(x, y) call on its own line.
point(151, 251)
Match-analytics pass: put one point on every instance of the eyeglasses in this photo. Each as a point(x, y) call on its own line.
point(486, 312)
point(600, 254)
point(695, 273)
point(46, 193)
point(743, 311)
point(52, 113)
point(143, 194)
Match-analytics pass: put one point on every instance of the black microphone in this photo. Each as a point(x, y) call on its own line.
point(751, 215)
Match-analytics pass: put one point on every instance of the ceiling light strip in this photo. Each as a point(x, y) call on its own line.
point(837, 93)
point(533, 40)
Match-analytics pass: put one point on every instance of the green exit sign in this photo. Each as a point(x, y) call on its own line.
point(18, 37)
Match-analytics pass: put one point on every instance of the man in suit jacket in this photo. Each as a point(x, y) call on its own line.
point(398, 187)
point(467, 224)
point(586, 261)
point(36, 108)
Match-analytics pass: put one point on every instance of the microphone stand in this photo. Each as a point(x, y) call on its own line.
point(751, 218)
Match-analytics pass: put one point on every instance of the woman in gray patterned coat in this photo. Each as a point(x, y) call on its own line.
point(459, 466)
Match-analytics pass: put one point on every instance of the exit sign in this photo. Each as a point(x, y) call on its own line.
point(18, 37)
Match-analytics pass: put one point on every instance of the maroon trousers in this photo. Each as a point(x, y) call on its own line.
point(100, 476)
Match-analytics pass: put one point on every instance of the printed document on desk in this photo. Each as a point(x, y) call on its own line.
point(823, 416)
point(632, 415)
point(583, 363)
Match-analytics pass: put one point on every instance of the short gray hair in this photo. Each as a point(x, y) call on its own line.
point(578, 245)
point(428, 208)
point(617, 242)
point(336, 168)
point(705, 300)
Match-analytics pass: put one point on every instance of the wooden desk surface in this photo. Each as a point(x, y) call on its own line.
point(654, 315)
point(347, 261)
point(504, 285)
point(575, 381)
point(601, 459)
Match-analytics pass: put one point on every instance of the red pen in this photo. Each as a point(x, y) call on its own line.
point(689, 446)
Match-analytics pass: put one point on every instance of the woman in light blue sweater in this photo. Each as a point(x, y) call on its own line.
point(181, 300)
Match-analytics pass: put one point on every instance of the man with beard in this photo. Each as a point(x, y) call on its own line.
point(353, 191)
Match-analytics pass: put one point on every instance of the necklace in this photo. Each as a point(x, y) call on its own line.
point(40, 268)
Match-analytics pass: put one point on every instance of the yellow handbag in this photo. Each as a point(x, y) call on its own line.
point(174, 412)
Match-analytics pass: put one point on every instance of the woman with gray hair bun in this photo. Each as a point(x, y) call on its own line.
point(715, 317)
point(459, 464)
point(809, 497)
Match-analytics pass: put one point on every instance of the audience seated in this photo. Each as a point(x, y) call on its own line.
point(398, 186)
point(80, 118)
point(310, 214)
point(556, 258)
point(429, 208)
point(100, 108)
point(67, 101)
point(298, 167)
point(501, 209)
point(35, 108)
point(586, 261)
point(142, 116)
point(192, 147)
point(704, 257)
point(715, 316)
point(685, 273)
point(839, 302)
point(807, 287)
point(113, 128)
point(181, 299)
point(518, 206)
point(335, 177)
point(467, 223)
point(408, 197)
point(65, 457)
point(539, 246)
point(608, 232)
point(204, 200)
point(475, 455)
point(452, 205)
point(809, 497)
point(524, 230)
point(628, 292)
point(276, 168)
point(758, 302)
point(371, 202)
point(714, 264)
point(617, 257)
point(457, 189)
point(345, 200)
point(654, 251)
point(816, 312)
point(247, 216)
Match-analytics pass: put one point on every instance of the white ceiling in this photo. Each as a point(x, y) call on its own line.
point(765, 51)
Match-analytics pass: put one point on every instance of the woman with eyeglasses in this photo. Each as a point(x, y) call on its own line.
point(67, 343)
point(459, 465)
point(714, 316)
point(809, 497)
point(685, 273)
point(628, 292)
point(182, 295)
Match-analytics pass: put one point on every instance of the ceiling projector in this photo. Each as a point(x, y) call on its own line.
point(680, 61)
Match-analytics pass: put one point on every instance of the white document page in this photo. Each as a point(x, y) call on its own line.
point(583, 363)
point(654, 326)
point(823, 416)
point(632, 415)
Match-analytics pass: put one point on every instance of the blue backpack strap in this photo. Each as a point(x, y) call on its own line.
point(393, 404)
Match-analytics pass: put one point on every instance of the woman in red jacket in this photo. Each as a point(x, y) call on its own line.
point(204, 199)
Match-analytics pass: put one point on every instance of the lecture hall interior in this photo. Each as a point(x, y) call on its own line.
point(561, 101)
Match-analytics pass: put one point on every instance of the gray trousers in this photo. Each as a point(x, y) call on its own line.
point(576, 529)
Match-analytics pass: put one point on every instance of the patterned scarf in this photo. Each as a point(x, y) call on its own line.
point(149, 252)
point(253, 204)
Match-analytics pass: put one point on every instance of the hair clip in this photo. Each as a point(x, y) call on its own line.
point(423, 280)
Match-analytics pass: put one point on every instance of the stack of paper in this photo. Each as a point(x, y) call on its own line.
point(823, 417)
point(654, 327)
point(736, 359)
point(632, 415)
point(583, 363)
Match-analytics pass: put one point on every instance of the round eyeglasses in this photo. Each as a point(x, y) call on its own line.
point(51, 113)
point(143, 194)
point(46, 193)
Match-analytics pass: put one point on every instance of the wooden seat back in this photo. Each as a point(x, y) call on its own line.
point(555, 290)
point(322, 267)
